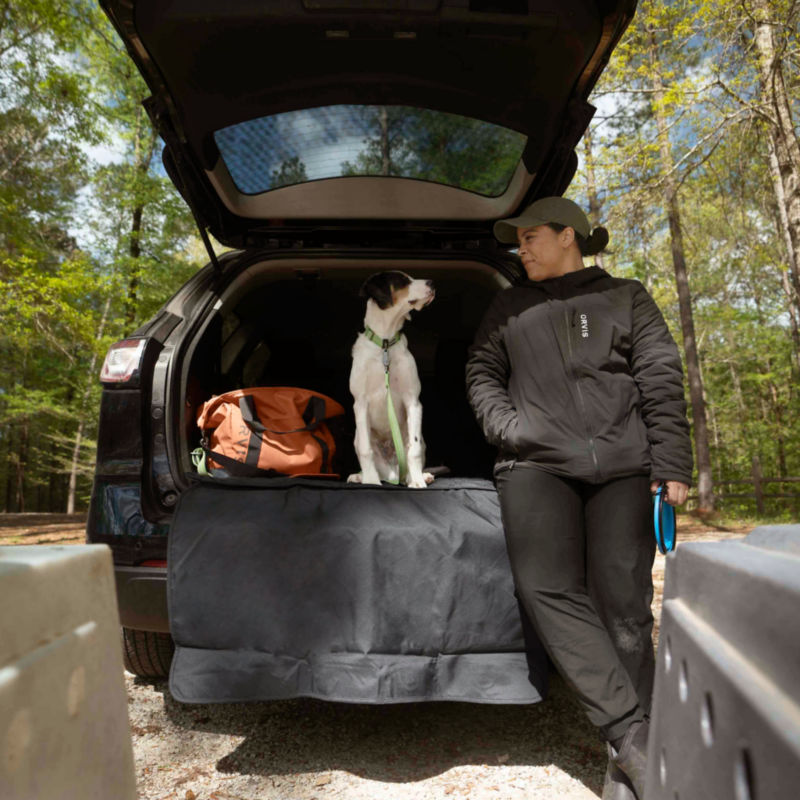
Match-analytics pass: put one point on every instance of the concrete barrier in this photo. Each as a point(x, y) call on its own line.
point(726, 706)
point(64, 729)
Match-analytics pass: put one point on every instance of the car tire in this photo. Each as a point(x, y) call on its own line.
point(147, 654)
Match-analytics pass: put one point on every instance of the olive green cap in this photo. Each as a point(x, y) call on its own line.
point(547, 209)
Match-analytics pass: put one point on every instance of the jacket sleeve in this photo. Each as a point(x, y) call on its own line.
point(487, 372)
point(657, 369)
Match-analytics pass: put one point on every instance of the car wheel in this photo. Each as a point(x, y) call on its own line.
point(147, 654)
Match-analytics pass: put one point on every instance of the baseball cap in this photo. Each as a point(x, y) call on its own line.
point(547, 209)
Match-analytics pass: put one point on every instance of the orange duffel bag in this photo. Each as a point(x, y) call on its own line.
point(267, 432)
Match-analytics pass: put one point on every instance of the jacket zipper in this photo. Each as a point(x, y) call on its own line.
point(592, 448)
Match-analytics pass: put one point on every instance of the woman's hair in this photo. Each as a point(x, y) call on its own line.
point(596, 243)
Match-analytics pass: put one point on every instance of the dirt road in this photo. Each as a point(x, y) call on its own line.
point(310, 750)
point(42, 528)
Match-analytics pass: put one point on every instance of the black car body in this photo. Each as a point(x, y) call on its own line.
point(235, 89)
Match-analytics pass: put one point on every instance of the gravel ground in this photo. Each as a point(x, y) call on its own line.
point(312, 750)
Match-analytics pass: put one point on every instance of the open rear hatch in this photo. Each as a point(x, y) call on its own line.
point(289, 119)
point(315, 588)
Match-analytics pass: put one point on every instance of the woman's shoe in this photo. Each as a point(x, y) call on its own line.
point(632, 756)
point(616, 785)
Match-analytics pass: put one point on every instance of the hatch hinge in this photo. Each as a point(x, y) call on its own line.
point(207, 242)
point(200, 227)
point(187, 195)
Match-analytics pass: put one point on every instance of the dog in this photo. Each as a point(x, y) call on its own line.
point(391, 297)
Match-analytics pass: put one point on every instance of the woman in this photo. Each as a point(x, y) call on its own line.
point(576, 379)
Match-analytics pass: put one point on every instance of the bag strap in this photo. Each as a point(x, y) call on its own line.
point(313, 416)
point(239, 469)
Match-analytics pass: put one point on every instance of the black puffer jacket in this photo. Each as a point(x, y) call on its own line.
point(579, 376)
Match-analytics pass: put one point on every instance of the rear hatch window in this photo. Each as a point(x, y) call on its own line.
point(370, 140)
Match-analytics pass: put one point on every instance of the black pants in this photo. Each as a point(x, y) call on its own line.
point(582, 558)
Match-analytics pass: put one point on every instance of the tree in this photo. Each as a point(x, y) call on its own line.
point(591, 187)
point(757, 41)
point(773, 23)
point(43, 117)
point(745, 322)
point(641, 72)
point(68, 86)
point(434, 146)
point(291, 171)
point(671, 202)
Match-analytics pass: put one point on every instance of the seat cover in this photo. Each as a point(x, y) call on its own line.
point(304, 587)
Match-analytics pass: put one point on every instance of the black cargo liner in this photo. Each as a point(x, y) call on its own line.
point(290, 587)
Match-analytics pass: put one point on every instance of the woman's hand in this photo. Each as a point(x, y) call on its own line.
point(676, 492)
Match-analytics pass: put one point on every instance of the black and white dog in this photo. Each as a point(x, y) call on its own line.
point(391, 297)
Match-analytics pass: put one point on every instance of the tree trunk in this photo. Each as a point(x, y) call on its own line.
point(76, 450)
point(670, 195)
point(386, 160)
point(794, 320)
point(771, 409)
point(755, 471)
point(9, 435)
point(73, 472)
point(591, 189)
point(22, 457)
point(739, 395)
point(789, 278)
point(784, 145)
point(142, 156)
point(135, 252)
point(780, 441)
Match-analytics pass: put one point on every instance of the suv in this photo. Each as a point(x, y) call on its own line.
point(326, 140)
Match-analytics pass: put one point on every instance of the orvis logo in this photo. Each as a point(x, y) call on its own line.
point(584, 326)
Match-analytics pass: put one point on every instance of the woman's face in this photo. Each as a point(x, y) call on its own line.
point(544, 253)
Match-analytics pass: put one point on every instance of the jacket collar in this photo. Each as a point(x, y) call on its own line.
point(577, 278)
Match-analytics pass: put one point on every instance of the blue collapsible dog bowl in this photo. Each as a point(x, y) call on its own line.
point(663, 521)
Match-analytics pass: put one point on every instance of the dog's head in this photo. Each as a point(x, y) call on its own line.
point(396, 290)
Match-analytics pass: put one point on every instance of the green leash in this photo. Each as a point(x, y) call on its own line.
point(199, 461)
point(397, 439)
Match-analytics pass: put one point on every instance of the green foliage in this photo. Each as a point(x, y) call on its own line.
point(91, 247)
point(87, 250)
point(734, 248)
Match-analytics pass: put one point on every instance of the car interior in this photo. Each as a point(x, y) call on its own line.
point(297, 329)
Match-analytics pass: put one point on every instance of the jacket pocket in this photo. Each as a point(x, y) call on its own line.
point(511, 437)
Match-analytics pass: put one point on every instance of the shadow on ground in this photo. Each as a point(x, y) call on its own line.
point(399, 743)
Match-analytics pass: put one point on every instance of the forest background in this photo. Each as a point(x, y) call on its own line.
point(692, 162)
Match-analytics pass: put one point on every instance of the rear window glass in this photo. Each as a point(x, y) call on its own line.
point(400, 141)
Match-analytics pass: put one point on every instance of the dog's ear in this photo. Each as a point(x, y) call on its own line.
point(381, 285)
point(378, 288)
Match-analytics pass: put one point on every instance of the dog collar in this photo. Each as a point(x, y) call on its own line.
point(375, 339)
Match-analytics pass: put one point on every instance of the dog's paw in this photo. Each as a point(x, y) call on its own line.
point(354, 478)
point(419, 483)
point(428, 478)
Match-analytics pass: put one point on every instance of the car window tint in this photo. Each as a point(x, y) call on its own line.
point(400, 141)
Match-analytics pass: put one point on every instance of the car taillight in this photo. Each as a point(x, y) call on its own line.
point(122, 361)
